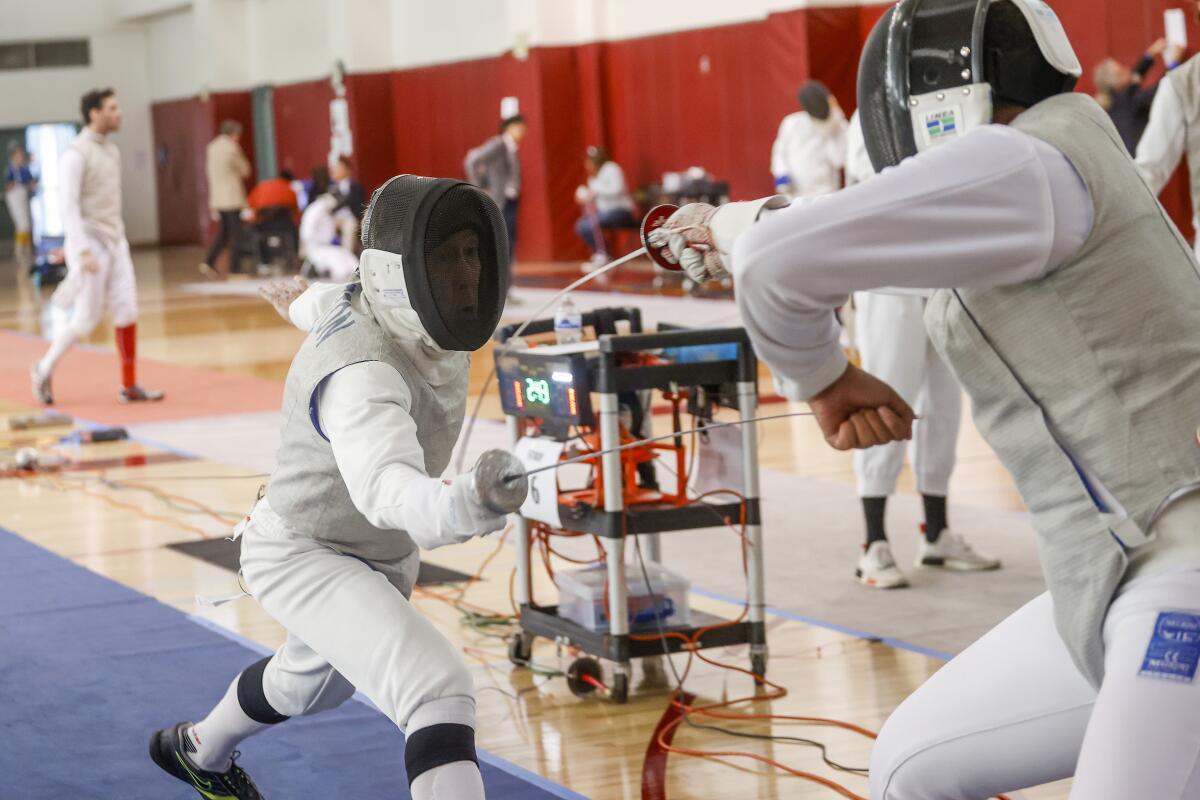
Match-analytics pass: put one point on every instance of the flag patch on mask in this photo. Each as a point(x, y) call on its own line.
point(940, 124)
point(1174, 649)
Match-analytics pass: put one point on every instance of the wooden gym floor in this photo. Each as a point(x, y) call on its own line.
point(120, 529)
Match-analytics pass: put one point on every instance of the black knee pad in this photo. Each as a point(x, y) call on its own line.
point(252, 698)
point(437, 745)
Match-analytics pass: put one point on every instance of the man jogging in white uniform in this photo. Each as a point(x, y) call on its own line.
point(99, 267)
point(1068, 305)
point(372, 409)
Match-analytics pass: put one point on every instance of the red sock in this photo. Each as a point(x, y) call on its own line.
point(127, 347)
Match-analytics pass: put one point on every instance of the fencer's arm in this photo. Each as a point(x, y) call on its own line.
point(74, 235)
point(312, 304)
point(996, 207)
point(364, 412)
point(1161, 147)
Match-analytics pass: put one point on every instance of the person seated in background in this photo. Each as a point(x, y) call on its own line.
point(271, 207)
point(606, 204)
point(1122, 92)
point(353, 201)
point(319, 236)
point(810, 148)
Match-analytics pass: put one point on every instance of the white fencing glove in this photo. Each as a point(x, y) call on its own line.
point(439, 512)
point(701, 237)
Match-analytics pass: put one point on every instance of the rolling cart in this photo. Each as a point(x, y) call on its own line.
point(548, 391)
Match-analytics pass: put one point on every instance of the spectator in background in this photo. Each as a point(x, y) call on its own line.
point(353, 201)
point(496, 166)
point(227, 169)
point(318, 236)
point(810, 148)
point(1174, 130)
point(606, 204)
point(274, 194)
point(19, 186)
point(1122, 92)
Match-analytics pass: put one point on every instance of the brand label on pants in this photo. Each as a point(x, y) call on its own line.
point(1174, 649)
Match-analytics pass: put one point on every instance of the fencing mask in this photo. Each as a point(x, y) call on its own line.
point(814, 98)
point(435, 261)
point(934, 69)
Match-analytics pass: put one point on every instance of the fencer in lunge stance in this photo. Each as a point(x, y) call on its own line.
point(895, 348)
point(373, 405)
point(99, 267)
point(1068, 305)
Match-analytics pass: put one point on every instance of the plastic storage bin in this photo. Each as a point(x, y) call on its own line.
point(581, 597)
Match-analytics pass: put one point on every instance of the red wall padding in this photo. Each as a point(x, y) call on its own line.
point(302, 133)
point(712, 97)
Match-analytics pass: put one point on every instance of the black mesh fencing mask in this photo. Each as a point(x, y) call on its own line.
point(453, 249)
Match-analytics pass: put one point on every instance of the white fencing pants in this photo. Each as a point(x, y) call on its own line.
point(1012, 711)
point(890, 333)
point(348, 627)
point(113, 285)
point(337, 262)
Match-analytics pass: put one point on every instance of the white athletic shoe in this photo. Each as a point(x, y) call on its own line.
point(877, 568)
point(951, 551)
point(594, 263)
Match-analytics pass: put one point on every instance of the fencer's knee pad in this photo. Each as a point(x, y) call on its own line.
point(251, 697)
point(440, 732)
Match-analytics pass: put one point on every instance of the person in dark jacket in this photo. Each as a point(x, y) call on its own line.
point(1124, 94)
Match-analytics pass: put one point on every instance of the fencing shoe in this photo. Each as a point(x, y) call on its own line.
point(168, 749)
point(951, 551)
point(877, 568)
point(136, 394)
point(41, 386)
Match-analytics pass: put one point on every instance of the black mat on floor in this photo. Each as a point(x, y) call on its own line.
point(224, 554)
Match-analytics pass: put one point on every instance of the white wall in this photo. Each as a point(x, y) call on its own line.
point(119, 60)
point(171, 41)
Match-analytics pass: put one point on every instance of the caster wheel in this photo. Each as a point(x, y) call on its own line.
point(758, 665)
point(619, 690)
point(520, 649)
point(580, 671)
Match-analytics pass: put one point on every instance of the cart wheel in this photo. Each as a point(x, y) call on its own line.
point(584, 665)
point(758, 665)
point(619, 690)
point(520, 648)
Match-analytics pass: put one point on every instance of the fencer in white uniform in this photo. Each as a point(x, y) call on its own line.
point(318, 229)
point(373, 406)
point(1173, 131)
point(893, 344)
point(99, 267)
point(810, 147)
point(1067, 304)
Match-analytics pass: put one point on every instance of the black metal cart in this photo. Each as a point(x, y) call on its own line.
point(735, 382)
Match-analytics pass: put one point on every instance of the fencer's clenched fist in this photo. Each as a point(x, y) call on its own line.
point(858, 411)
point(701, 237)
point(282, 291)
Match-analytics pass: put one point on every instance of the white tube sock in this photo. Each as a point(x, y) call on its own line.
point(460, 780)
point(216, 736)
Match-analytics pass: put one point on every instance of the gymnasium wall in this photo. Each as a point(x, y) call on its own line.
point(710, 96)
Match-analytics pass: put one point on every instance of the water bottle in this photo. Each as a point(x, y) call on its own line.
point(568, 322)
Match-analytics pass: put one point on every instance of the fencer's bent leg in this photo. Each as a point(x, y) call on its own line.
point(366, 630)
point(1143, 739)
point(935, 438)
point(1008, 713)
point(87, 306)
point(241, 713)
point(892, 341)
